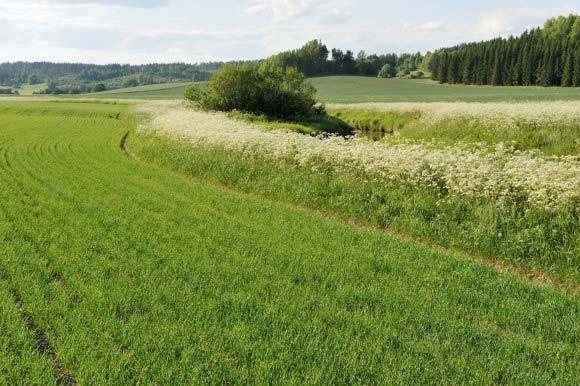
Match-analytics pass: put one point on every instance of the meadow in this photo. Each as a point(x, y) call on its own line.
point(121, 265)
point(551, 128)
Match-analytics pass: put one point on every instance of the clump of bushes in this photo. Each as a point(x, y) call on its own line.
point(263, 89)
point(387, 71)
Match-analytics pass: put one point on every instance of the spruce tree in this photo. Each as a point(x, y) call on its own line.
point(576, 65)
point(568, 70)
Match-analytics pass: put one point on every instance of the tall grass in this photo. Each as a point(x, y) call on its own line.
point(553, 128)
point(494, 206)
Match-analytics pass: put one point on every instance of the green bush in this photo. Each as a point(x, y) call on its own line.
point(387, 71)
point(264, 89)
point(99, 87)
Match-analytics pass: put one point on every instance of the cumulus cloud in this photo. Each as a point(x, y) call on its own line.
point(511, 21)
point(322, 11)
point(118, 3)
point(281, 9)
point(335, 16)
point(431, 26)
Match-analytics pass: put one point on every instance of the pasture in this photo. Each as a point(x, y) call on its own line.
point(120, 264)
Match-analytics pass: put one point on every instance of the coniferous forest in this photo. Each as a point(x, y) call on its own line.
point(548, 56)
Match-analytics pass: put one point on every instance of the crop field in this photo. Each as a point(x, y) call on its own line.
point(155, 91)
point(29, 89)
point(355, 89)
point(131, 255)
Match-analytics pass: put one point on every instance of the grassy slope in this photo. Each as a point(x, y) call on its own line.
point(136, 274)
point(345, 89)
point(562, 138)
point(29, 89)
point(353, 89)
point(156, 91)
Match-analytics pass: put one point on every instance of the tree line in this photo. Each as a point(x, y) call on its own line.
point(315, 59)
point(312, 59)
point(75, 78)
point(548, 56)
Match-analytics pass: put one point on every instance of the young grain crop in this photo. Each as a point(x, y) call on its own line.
point(139, 275)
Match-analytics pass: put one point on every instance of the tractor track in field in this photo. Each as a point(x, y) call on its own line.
point(123, 144)
point(64, 378)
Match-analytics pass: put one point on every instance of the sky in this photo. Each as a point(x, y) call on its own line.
point(145, 31)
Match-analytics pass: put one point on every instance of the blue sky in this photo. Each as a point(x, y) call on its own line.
point(142, 31)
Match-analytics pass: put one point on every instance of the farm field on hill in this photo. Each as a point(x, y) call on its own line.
point(115, 270)
point(155, 91)
point(355, 89)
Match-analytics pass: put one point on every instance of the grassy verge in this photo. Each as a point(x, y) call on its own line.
point(531, 238)
point(316, 125)
point(551, 135)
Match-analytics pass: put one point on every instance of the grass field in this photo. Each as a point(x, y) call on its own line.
point(115, 271)
point(354, 89)
point(155, 91)
point(29, 89)
point(345, 89)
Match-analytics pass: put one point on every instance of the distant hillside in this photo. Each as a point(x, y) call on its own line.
point(548, 56)
point(77, 78)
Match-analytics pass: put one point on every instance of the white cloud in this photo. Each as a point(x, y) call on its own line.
point(281, 9)
point(335, 16)
point(512, 21)
point(431, 26)
point(257, 9)
point(494, 23)
point(322, 11)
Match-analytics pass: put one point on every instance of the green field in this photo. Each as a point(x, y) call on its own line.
point(29, 89)
point(346, 89)
point(116, 271)
point(155, 91)
point(355, 89)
